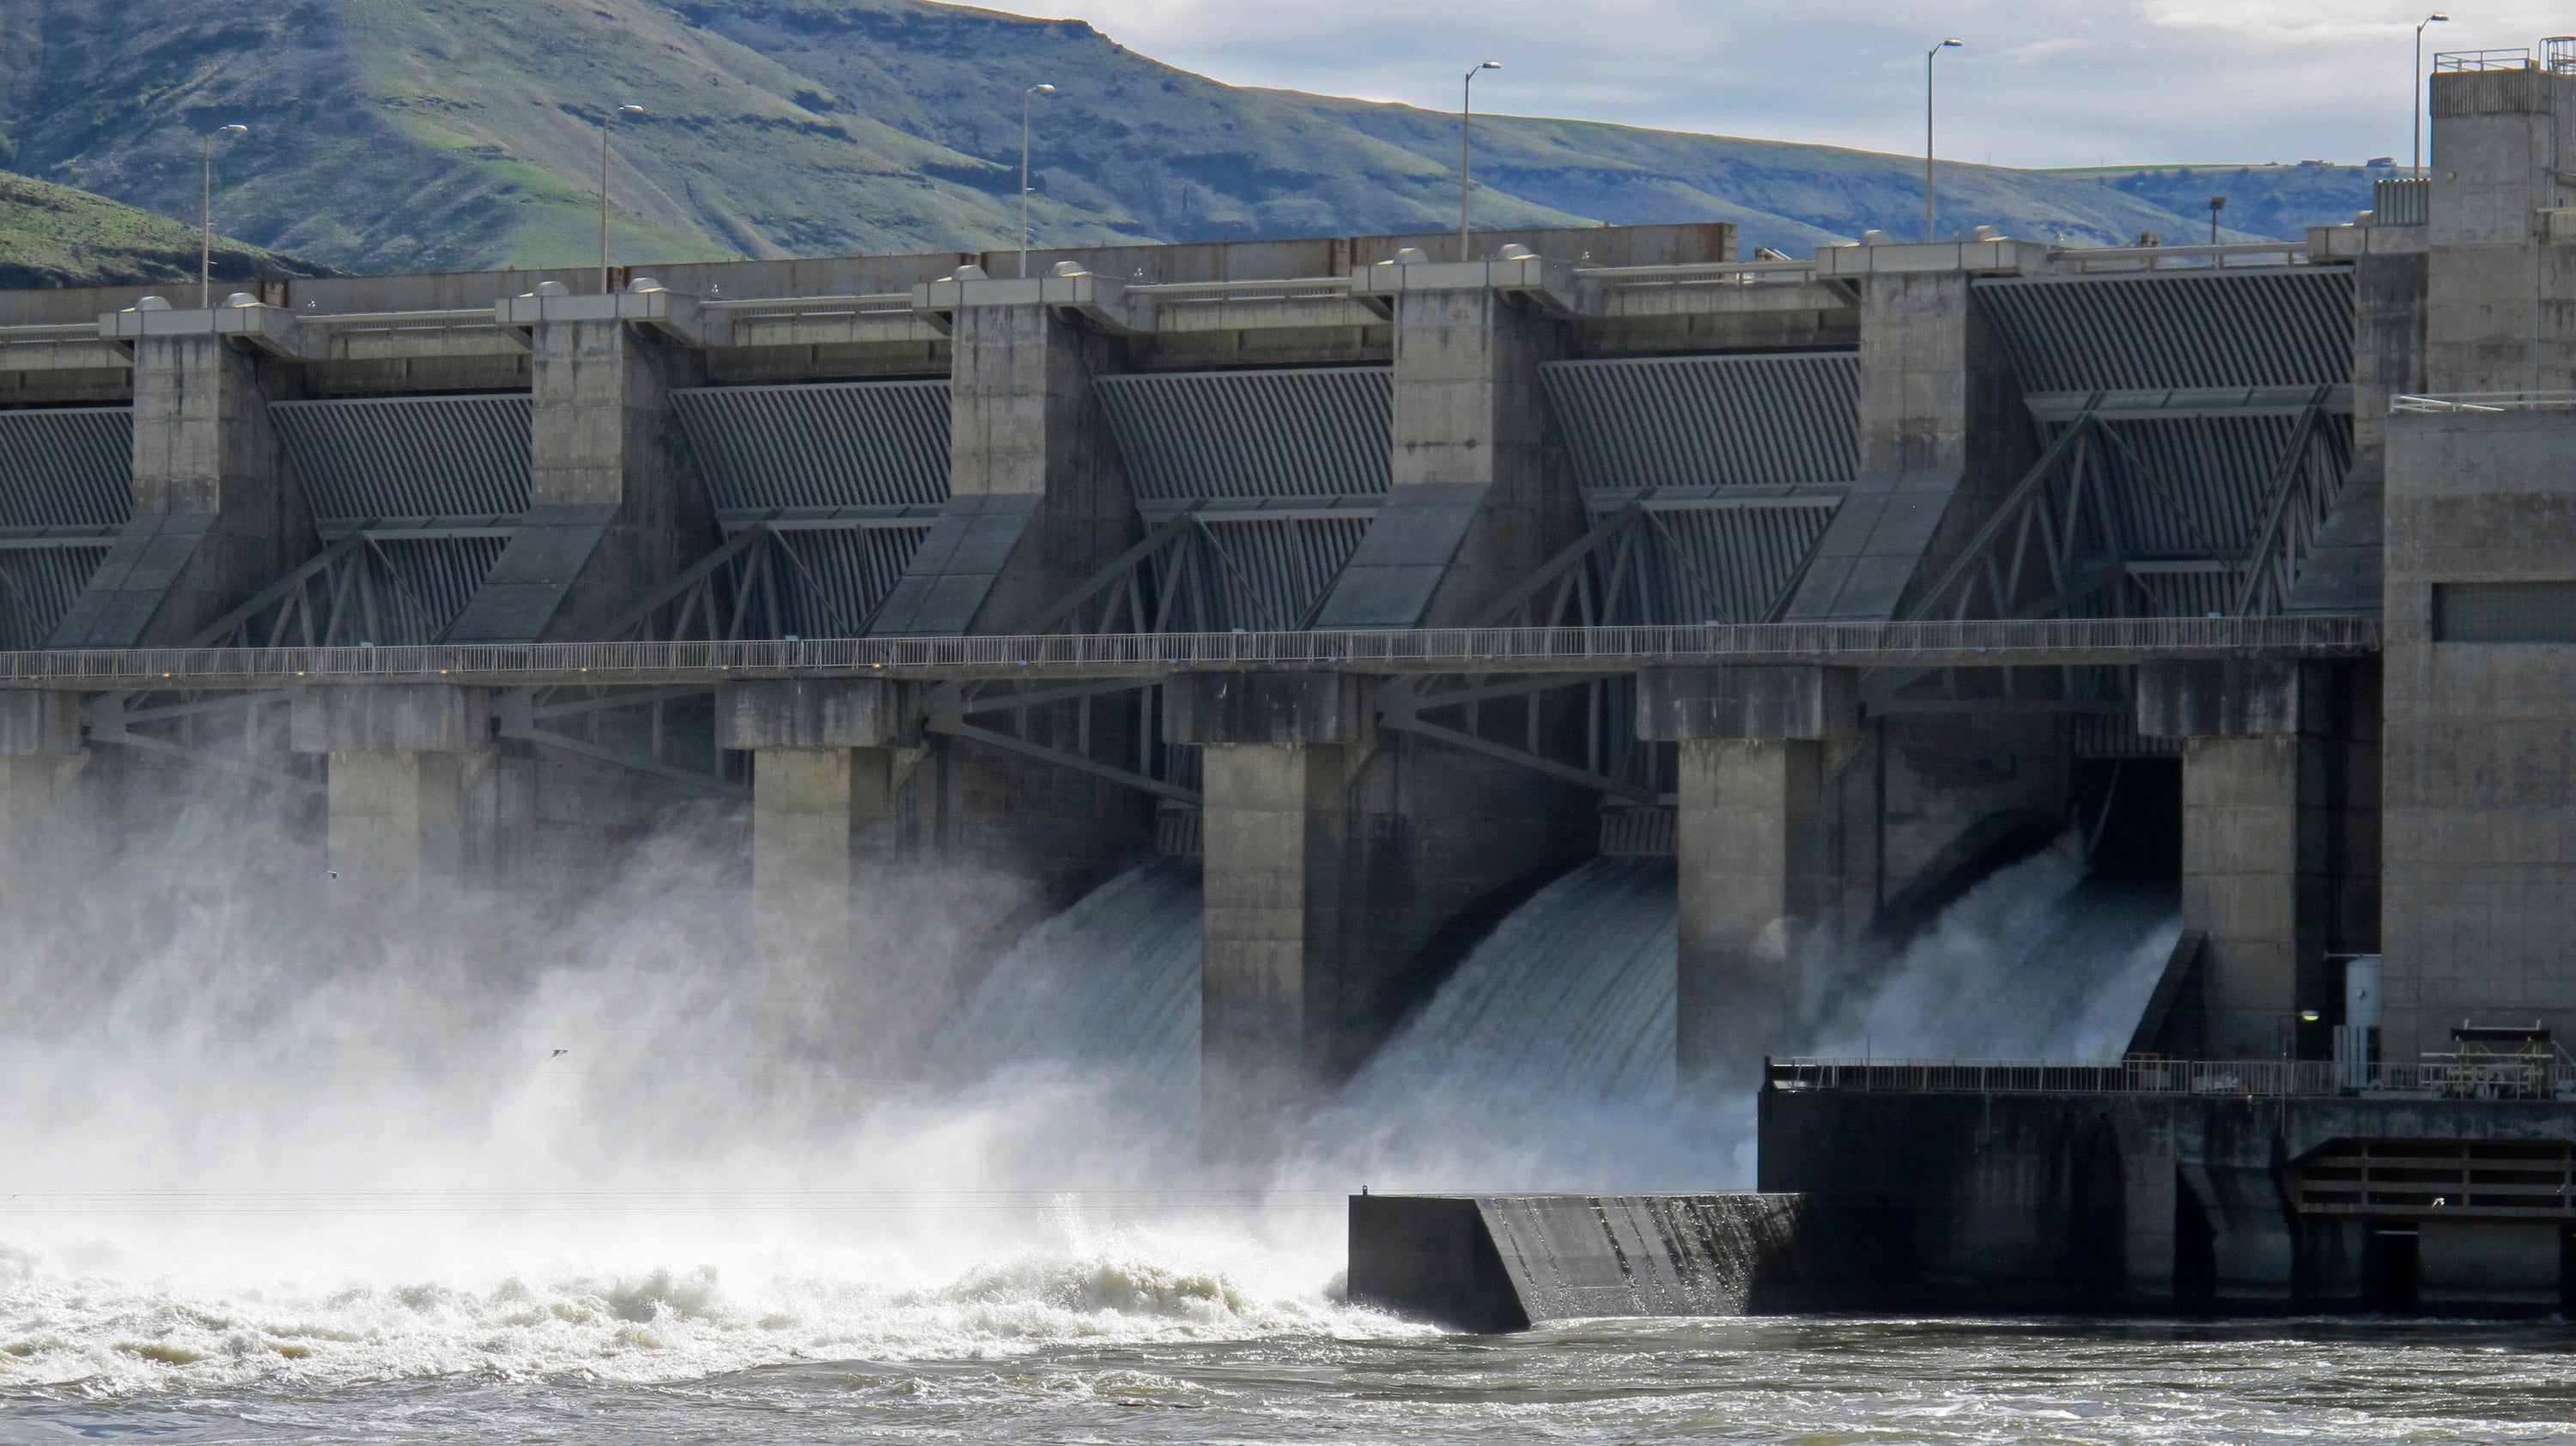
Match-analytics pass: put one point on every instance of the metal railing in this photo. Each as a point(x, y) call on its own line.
point(1696, 273)
point(1295, 288)
point(2502, 1078)
point(806, 308)
point(2516, 57)
point(49, 331)
point(2085, 260)
point(2486, 402)
point(1972, 643)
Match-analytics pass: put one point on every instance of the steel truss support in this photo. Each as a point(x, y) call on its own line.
point(2303, 489)
point(2054, 546)
point(115, 718)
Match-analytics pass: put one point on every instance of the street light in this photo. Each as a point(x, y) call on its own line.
point(1931, 208)
point(206, 253)
point(2436, 18)
point(2216, 205)
point(1466, 150)
point(603, 188)
point(1028, 98)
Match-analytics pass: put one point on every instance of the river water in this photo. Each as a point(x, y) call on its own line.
point(1110, 1350)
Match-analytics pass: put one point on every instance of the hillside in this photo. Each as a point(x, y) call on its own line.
point(55, 236)
point(450, 134)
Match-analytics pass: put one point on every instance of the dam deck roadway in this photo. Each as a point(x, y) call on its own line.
point(2071, 642)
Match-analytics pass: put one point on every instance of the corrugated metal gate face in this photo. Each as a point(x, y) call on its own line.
point(436, 485)
point(1736, 461)
point(1323, 432)
point(1255, 573)
point(37, 586)
point(1709, 421)
point(1717, 564)
point(2186, 494)
point(848, 475)
point(2197, 487)
point(2291, 327)
point(1287, 468)
point(409, 457)
point(831, 444)
point(66, 486)
point(821, 582)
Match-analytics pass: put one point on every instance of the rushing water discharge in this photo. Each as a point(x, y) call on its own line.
point(576, 1179)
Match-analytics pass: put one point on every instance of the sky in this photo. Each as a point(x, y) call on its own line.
point(2037, 83)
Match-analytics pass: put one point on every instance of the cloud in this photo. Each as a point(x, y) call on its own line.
point(2048, 82)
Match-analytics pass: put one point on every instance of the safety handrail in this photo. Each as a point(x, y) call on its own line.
point(2486, 402)
point(1970, 643)
point(2499, 1077)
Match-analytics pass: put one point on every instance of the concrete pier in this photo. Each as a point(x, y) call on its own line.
point(410, 808)
point(41, 753)
point(1036, 497)
point(1476, 500)
point(2256, 824)
point(1283, 953)
point(212, 516)
point(1750, 845)
point(823, 775)
point(613, 510)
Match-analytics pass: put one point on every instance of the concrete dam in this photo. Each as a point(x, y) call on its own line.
point(1577, 671)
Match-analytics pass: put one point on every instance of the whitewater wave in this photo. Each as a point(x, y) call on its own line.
point(116, 1337)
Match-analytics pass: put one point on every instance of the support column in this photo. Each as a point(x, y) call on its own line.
point(823, 773)
point(1281, 956)
point(407, 761)
point(1478, 498)
point(1750, 848)
point(612, 512)
point(212, 518)
point(1036, 497)
point(40, 755)
point(2256, 816)
point(1941, 437)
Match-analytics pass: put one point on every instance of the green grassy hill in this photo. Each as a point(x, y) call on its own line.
point(55, 236)
point(453, 134)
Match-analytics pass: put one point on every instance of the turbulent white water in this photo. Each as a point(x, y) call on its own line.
point(1569, 999)
point(1546, 1060)
point(236, 1156)
point(2036, 962)
point(813, 1297)
point(251, 1182)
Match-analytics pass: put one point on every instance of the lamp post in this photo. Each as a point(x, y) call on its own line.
point(1466, 149)
point(206, 251)
point(2436, 18)
point(2216, 205)
point(1931, 207)
point(603, 188)
point(1028, 98)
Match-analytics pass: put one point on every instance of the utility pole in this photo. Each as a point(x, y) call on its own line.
point(2436, 18)
point(206, 250)
point(1026, 98)
point(1931, 206)
point(1467, 151)
point(603, 188)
